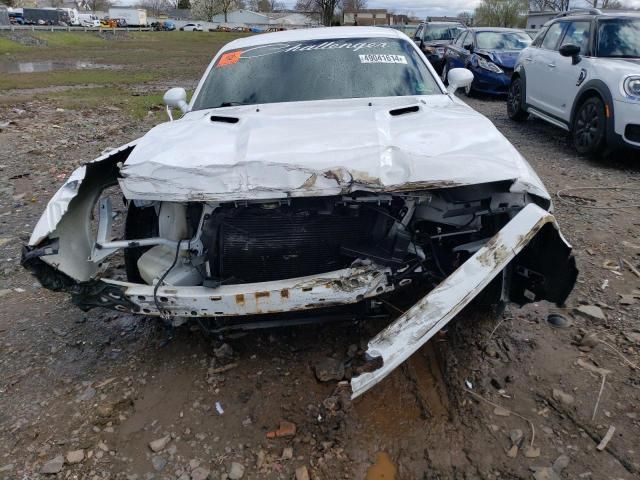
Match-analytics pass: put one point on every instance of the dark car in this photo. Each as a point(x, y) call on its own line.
point(433, 37)
point(490, 53)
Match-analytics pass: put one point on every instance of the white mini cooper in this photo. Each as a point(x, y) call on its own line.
point(582, 74)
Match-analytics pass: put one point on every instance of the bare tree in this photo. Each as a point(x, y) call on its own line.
point(267, 5)
point(206, 9)
point(548, 5)
point(325, 8)
point(354, 5)
point(610, 4)
point(466, 18)
point(227, 6)
point(96, 5)
point(501, 13)
point(155, 7)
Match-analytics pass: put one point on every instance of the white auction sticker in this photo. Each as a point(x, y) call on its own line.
point(382, 58)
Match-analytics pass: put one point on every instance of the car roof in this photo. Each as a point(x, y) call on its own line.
point(441, 22)
point(588, 16)
point(495, 29)
point(324, 33)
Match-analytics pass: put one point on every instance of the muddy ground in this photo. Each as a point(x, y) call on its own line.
point(107, 384)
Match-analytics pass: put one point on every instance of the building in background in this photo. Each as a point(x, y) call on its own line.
point(535, 20)
point(263, 21)
point(366, 17)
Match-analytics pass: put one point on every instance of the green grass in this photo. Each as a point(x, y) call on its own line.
point(69, 39)
point(75, 77)
point(136, 106)
point(9, 46)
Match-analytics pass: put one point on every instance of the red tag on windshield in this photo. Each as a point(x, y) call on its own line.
point(229, 58)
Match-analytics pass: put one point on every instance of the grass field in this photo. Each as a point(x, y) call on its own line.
point(147, 62)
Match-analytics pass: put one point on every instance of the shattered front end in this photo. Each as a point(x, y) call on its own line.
point(297, 252)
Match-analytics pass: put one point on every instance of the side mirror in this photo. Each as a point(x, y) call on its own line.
point(571, 50)
point(175, 98)
point(469, 47)
point(459, 78)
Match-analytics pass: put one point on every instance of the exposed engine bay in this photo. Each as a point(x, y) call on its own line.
point(249, 260)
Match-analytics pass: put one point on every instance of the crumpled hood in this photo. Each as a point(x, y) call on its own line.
point(322, 148)
point(502, 58)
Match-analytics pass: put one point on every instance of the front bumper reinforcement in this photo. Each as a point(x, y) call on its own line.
point(408, 333)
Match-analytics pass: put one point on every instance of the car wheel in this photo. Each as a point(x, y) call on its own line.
point(514, 101)
point(589, 127)
point(445, 71)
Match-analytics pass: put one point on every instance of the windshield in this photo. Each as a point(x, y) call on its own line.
point(502, 40)
point(441, 32)
point(619, 37)
point(316, 70)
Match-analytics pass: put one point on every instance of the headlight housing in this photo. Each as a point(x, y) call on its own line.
point(631, 86)
point(488, 65)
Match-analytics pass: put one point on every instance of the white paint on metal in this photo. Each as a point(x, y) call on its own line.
point(342, 287)
point(408, 333)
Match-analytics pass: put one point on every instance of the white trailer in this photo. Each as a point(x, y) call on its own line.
point(136, 17)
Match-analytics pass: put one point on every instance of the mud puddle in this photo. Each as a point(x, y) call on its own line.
point(383, 469)
point(50, 66)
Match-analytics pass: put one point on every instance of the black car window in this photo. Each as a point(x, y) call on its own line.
point(578, 33)
point(538, 40)
point(434, 31)
point(316, 70)
point(418, 35)
point(502, 40)
point(619, 37)
point(553, 35)
point(468, 41)
point(460, 39)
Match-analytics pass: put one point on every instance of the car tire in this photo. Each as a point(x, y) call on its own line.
point(514, 101)
point(445, 72)
point(589, 132)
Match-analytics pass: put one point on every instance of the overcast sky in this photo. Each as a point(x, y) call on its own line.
point(436, 8)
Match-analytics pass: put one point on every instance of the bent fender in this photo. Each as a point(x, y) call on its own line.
point(412, 330)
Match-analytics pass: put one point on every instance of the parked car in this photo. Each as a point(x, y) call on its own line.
point(490, 53)
point(582, 74)
point(192, 27)
point(16, 19)
point(165, 25)
point(315, 192)
point(433, 37)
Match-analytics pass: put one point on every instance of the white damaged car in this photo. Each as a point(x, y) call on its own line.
point(313, 173)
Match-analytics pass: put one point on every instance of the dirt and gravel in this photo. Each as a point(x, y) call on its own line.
point(102, 394)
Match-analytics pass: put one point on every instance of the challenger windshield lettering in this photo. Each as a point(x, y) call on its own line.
point(316, 70)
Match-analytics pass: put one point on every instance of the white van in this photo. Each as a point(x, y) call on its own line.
point(88, 20)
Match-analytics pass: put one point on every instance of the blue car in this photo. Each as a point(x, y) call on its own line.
point(490, 53)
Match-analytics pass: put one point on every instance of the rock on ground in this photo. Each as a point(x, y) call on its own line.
point(159, 444)
point(53, 466)
point(75, 456)
point(236, 472)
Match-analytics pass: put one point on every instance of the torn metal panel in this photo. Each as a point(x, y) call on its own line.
point(342, 287)
point(332, 147)
point(414, 328)
point(59, 203)
point(68, 216)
